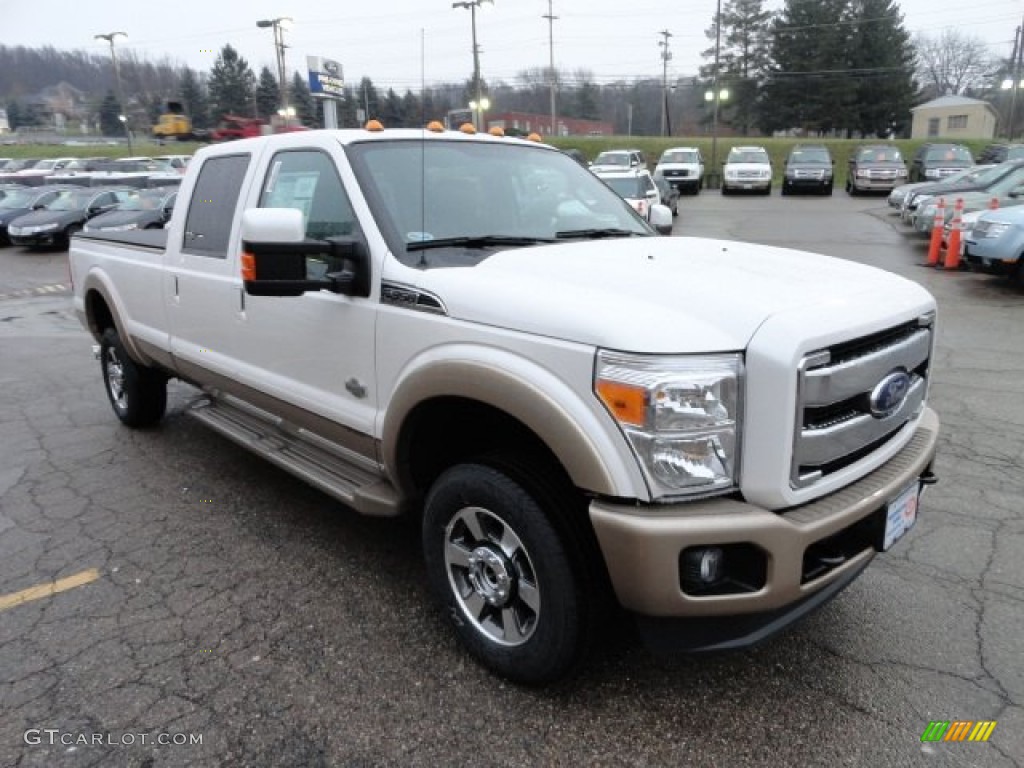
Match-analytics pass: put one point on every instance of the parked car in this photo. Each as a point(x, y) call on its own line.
point(618, 160)
point(1000, 153)
point(996, 242)
point(897, 198)
point(1006, 192)
point(748, 169)
point(976, 178)
point(56, 221)
point(669, 193)
point(937, 161)
point(809, 167)
point(17, 203)
point(572, 152)
point(5, 189)
point(143, 209)
point(174, 162)
point(875, 168)
point(682, 168)
point(636, 186)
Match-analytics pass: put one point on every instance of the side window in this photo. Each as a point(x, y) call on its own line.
point(211, 210)
point(307, 180)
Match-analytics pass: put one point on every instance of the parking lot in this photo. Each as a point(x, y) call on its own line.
point(201, 592)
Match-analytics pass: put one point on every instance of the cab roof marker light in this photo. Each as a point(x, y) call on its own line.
point(496, 130)
point(374, 125)
point(467, 128)
point(435, 126)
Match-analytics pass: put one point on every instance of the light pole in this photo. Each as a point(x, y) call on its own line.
point(279, 25)
point(110, 37)
point(1014, 83)
point(665, 56)
point(477, 94)
point(714, 179)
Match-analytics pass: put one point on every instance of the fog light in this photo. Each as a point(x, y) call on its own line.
point(702, 566)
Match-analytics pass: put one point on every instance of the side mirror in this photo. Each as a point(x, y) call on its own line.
point(278, 260)
point(661, 219)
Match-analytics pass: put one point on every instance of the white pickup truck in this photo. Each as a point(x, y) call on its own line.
point(473, 329)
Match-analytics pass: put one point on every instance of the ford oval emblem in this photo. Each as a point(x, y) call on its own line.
point(889, 394)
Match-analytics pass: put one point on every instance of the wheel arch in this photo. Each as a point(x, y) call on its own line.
point(447, 410)
point(103, 310)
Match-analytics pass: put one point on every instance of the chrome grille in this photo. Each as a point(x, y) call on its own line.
point(835, 423)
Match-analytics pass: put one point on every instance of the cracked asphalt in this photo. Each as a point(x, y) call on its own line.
point(235, 603)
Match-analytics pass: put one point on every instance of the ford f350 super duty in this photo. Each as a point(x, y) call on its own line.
point(477, 331)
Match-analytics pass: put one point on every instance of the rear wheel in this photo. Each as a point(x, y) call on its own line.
point(137, 394)
point(511, 581)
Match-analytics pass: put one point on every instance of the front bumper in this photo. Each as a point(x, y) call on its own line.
point(642, 546)
point(746, 184)
point(37, 239)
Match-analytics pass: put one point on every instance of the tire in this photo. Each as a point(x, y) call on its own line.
point(137, 394)
point(1017, 274)
point(784, 191)
point(827, 191)
point(725, 190)
point(511, 582)
point(767, 191)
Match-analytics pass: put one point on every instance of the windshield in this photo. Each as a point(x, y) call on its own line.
point(70, 200)
point(18, 198)
point(748, 156)
point(613, 158)
point(627, 187)
point(811, 155)
point(955, 154)
point(1015, 153)
point(880, 155)
point(679, 156)
point(435, 190)
point(45, 165)
point(145, 200)
point(1010, 181)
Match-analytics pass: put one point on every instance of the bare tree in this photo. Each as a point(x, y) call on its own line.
point(952, 63)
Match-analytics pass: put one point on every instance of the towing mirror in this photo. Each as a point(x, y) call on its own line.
point(661, 219)
point(278, 259)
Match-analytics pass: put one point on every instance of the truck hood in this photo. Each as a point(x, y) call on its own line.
point(656, 294)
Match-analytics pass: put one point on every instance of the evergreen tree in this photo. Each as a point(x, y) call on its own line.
point(743, 60)
point(13, 115)
point(808, 85)
point(882, 60)
point(392, 114)
point(268, 94)
point(588, 100)
point(232, 84)
point(303, 102)
point(193, 98)
point(412, 111)
point(367, 99)
point(110, 116)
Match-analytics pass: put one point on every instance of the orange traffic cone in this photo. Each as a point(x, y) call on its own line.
point(953, 246)
point(938, 222)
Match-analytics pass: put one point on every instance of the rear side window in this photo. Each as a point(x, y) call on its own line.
point(211, 211)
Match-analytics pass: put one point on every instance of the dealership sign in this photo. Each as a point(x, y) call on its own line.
point(325, 78)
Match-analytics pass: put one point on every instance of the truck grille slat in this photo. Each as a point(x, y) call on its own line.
point(837, 422)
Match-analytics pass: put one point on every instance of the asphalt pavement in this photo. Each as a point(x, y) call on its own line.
point(195, 606)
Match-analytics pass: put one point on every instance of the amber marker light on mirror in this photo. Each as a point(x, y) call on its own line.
point(627, 404)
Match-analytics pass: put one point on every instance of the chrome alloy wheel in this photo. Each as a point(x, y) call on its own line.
point(115, 379)
point(491, 576)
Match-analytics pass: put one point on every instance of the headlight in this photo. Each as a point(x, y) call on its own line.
point(118, 228)
point(997, 229)
point(931, 173)
point(902, 173)
point(862, 174)
point(681, 416)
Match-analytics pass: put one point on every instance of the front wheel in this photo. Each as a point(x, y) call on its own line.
point(137, 394)
point(503, 573)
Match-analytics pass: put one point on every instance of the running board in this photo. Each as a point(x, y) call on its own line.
point(303, 454)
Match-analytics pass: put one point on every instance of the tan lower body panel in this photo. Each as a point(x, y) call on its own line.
point(642, 544)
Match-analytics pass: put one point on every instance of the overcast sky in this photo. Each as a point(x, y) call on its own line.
point(401, 43)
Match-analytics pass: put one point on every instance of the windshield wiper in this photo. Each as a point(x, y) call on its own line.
point(475, 241)
point(594, 234)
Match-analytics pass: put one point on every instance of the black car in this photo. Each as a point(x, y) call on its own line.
point(933, 162)
point(55, 222)
point(144, 209)
point(669, 193)
point(1000, 153)
point(808, 168)
point(18, 202)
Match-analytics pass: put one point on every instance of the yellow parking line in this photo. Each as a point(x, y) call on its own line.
point(50, 588)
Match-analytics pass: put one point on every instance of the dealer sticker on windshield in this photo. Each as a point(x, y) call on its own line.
point(900, 515)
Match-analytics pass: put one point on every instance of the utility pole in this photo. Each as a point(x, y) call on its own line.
point(551, 66)
point(279, 25)
point(110, 37)
point(479, 105)
point(1015, 74)
point(665, 56)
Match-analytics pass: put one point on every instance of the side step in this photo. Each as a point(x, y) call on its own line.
point(304, 454)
